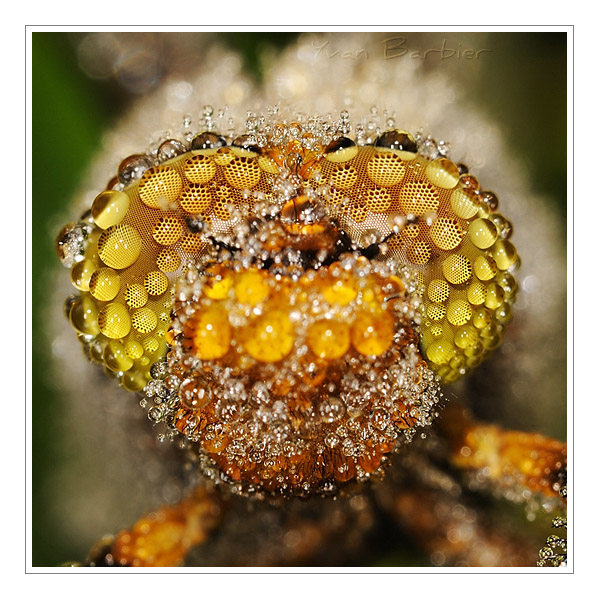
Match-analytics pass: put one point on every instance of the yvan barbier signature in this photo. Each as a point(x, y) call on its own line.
point(397, 47)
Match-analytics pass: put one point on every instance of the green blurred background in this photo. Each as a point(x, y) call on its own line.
point(521, 84)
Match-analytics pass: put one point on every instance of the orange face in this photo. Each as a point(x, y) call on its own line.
point(287, 301)
point(297, 384)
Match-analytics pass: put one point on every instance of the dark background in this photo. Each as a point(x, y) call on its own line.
point(521, 84)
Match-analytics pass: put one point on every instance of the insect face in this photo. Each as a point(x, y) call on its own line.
point(289, 301)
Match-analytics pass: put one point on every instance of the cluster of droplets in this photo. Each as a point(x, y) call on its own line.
point(72, 241)
point(555, 551)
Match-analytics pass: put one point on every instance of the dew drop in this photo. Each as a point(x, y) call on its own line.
point(133, 167)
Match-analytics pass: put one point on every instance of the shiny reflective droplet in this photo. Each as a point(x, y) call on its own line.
point(482, 233)
point(485, 268)
point(341, 149)
point(440, 352)
point(109, 208)
point(116, 358)
point(443, 173)
point(194, 394)
point(160, 186)
point(81, 274)
point(84, 316)
point(207, 142)
point(331, 409)
point(505, 254)
point(104, 284)
point(119, 246)
point(169, 149)
point(71, 243)
point(245, 145)
point(490, 200)
point(114, 321)
point(133, 167)
point(464, 203)
point(401, 142)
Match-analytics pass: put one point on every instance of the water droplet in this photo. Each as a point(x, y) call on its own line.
point(208, 141)
point(71, 243)
point(399, 141)
point(194, 394)
point(158, 370)
point(171, 148)
point(133, 167)
point(331, 409)
point(341, 149)
point(248, 144)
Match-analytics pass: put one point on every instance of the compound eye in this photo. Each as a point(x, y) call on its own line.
point(341, 149)
point(207, 141)
point(400, 142)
